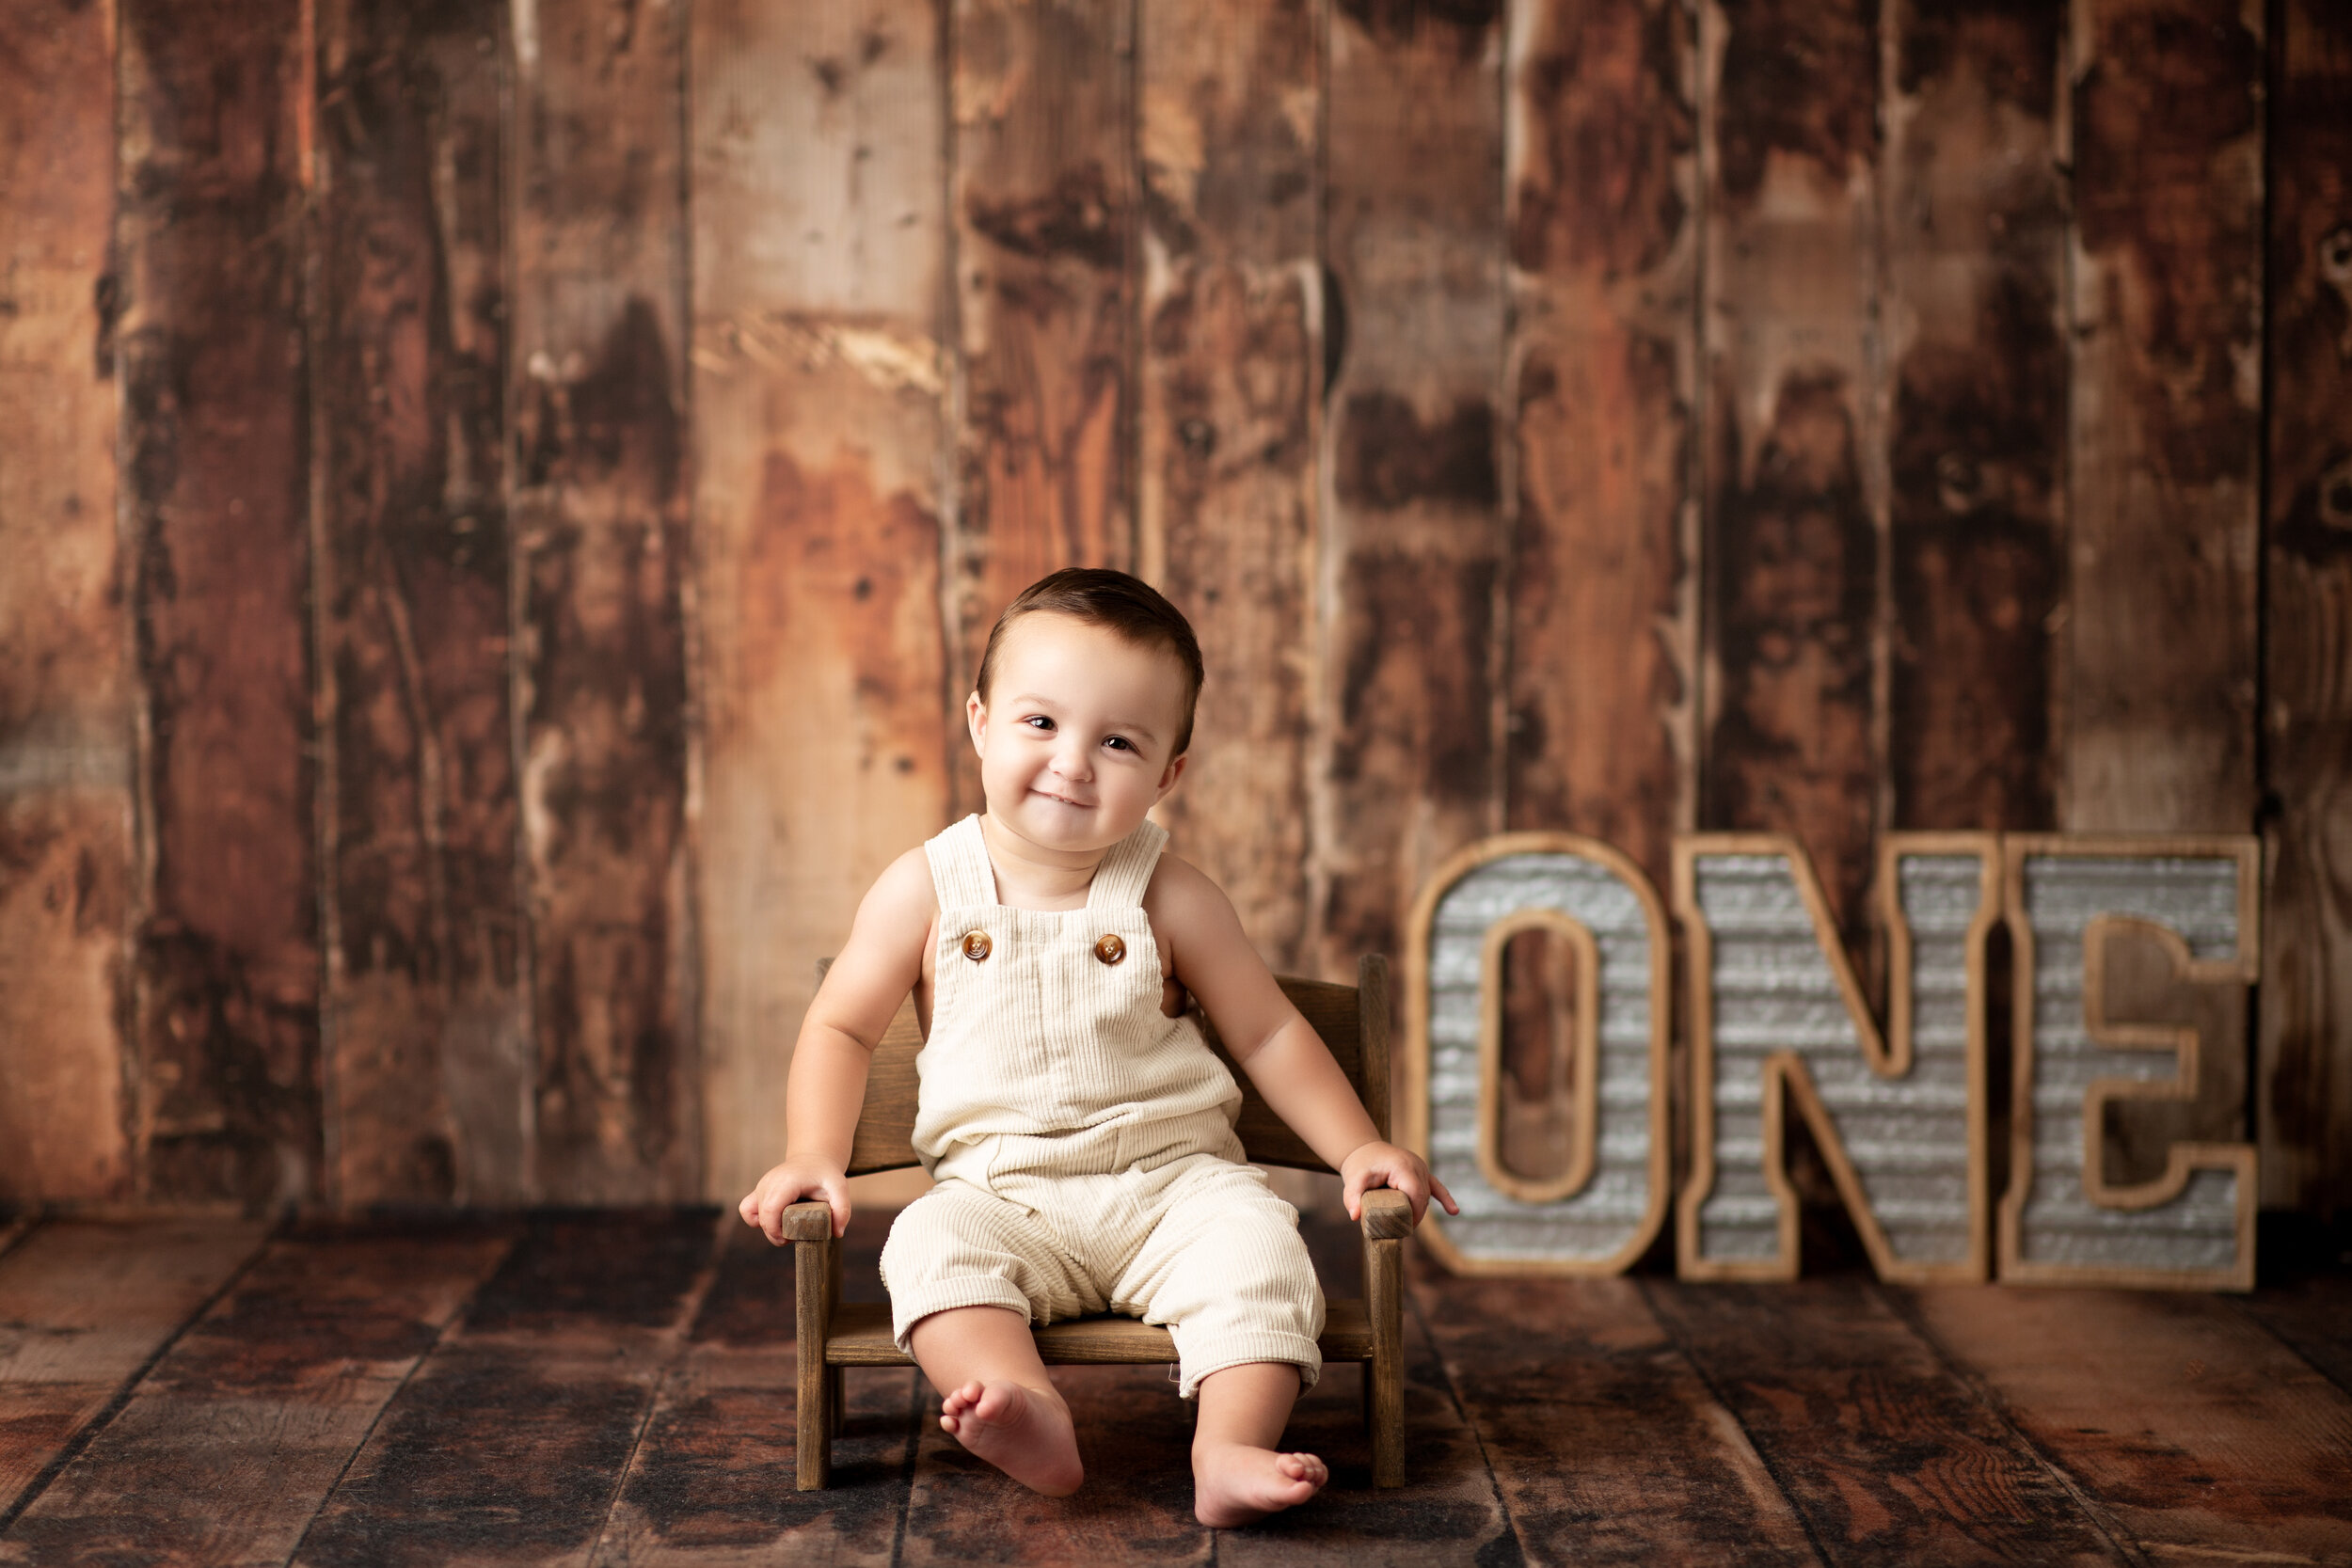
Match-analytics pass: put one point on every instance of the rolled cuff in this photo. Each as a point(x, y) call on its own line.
point(909, 1307)
point(1197, 1359)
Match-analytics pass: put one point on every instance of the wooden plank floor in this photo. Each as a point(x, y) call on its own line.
point(614, 1387)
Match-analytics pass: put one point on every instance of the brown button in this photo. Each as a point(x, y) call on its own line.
point(975, 945)
point(1110, 949)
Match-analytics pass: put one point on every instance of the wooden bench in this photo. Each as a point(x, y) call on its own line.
point(835, 1335)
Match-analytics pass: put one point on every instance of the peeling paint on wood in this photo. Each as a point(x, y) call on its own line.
point(820, 429)
point(1411, 555)
point(428, 1079)
point(1795, 506)
point(1042, 200)
point(214, 164)
point(1975, 222)
point(1601, 148)
point(1231, 350)
point(2166, 373)
point(2303, 1094)
point(65, 698)
point(601, 563)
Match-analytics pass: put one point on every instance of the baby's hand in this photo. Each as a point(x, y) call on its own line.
point(786, 1185)
point(1379, 1165)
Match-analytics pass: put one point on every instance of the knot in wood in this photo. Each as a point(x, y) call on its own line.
point(1110, 949)
point(975, 945)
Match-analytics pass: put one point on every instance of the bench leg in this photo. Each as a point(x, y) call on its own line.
point(836, 1401)
point(813, 1273)
point(1384, 1375)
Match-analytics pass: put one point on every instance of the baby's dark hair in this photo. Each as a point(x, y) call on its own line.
point(1127, 607)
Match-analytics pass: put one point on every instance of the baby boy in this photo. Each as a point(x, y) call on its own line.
point(1079, 1130)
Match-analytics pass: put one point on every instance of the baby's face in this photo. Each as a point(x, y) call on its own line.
point(1078, 737)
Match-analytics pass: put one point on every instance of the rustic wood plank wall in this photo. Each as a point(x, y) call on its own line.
point(505, 498)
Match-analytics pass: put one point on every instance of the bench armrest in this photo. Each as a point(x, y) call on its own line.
point(1387, 1215)
point(809, 1221)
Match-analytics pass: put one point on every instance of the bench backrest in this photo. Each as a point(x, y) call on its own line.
point(1352, 1019)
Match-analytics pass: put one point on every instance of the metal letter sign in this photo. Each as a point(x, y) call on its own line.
point(1600, 1215)
point(2063, 1222)
point(1776, 1016)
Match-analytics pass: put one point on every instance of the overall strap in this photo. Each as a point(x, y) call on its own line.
point(960, 874)
point(1126, 870)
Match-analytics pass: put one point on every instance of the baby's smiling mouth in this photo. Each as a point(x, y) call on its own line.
point(1059, 800)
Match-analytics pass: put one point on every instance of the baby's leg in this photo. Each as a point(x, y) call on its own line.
point(1237, 1474)
point(966, 1272)
point(1225, 1269)
point(996, 1400)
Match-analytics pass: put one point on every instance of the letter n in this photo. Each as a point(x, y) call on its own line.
point(1777, 1019)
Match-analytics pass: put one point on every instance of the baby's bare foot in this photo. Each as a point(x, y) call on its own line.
point(1025, 1432)
point(1233, 1483)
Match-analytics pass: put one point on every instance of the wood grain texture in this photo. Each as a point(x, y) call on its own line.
point(1975, 231)
point(2303, 1094)
point(1581, 1368)
point(212, 164)
point(230, 1443)
point(428, 1077)
point(1041, 201)
point(820, 429)
point(86, 1306)
point(600, 538)
point(2312, 1318)
point(1231, 364)
point(1412, 538)
point(510, 1442)
point(2195, 1429)
point(2165, 397)
point(1601, 182)
point(65, 652)
point(1888, 1456)
point(1795, 495)
point(703, 1488)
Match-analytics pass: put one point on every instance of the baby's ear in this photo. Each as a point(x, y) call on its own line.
point(976, 718)
point(1175, 771)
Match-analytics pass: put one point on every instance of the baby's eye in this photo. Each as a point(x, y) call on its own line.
point(1119, 742)
point(1039, 721)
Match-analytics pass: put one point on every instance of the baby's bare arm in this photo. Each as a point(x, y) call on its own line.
point(860, 993)
point(1285, 1058)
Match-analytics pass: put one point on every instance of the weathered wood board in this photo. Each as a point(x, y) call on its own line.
point(1973, 221)
point(1041, 203)
point(1888, 1455)
point(510, 1442)
point(428, 1053)
point(2194, 1429)
point(1602, 229)
point(213, 169)
point(2303, 1094)
point(65, 647)
point(820, 429)
point(86, 1306)
point(1795, 489)
point(710, 1486)
point(1407, 696)
point(228, 1444)
point(1580, 1369)
point(597, 359)
point(1229, 114)
point(2166, 354)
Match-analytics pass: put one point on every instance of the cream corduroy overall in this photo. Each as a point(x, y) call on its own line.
point(1081, 1139)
